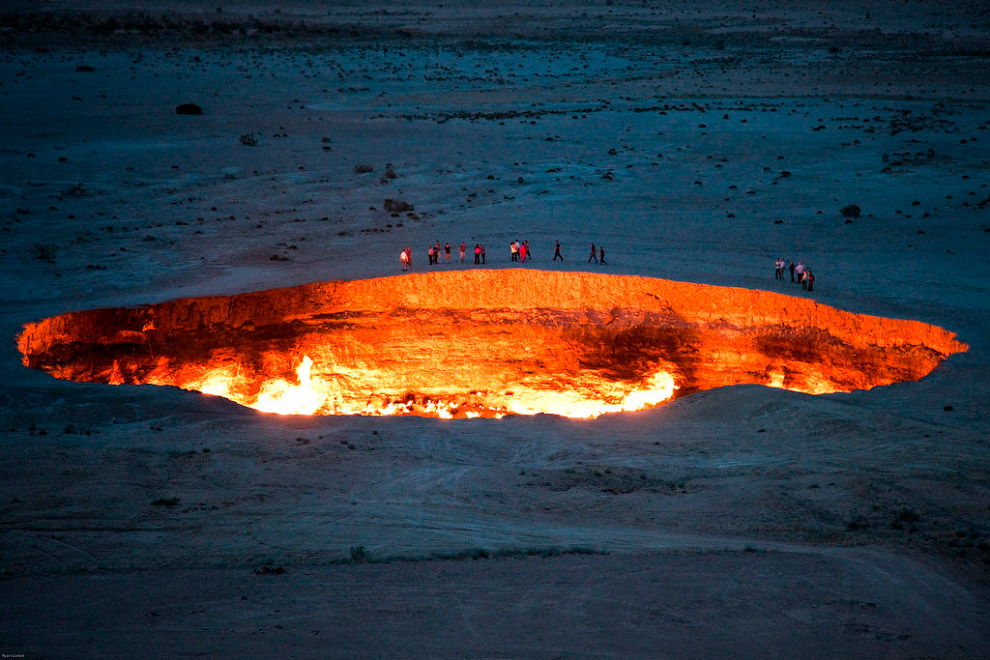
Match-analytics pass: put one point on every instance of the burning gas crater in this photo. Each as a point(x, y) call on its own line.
point(484, 344)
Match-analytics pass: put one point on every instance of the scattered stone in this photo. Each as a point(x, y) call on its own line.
point(268, 570)
point(188, 109)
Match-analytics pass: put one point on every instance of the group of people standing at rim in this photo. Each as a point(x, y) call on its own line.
point(518, 251)
point(799, 273)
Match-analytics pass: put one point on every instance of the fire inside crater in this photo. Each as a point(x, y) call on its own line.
point(484, 344)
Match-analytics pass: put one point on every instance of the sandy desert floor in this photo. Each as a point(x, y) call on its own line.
point(694, 144)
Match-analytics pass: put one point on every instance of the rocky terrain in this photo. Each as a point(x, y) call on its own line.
point(184, 151)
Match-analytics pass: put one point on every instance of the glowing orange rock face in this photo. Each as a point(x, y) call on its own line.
point(484, 343)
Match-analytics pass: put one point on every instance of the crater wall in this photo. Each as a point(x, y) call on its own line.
point(484, 343)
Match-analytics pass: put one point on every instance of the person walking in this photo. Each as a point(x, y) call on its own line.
point(404, 260)
point(446, 253)
point(601, 255)
point(594, 254)
point(791, 267)
point(462, 248)
point(810, 279)
point(799, 271)
point(482, 254)
point(523, 252)
point(556, 251)
point(477, 253)
point(778, 269)
point(513, 251)
point(409, 256)
point(529, 252)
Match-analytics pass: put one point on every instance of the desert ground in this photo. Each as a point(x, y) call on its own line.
point(695, 143)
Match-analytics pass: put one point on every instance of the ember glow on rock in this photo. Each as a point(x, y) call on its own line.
point(488, 343)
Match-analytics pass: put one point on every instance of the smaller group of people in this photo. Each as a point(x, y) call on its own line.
point(435, 250)
point(799, 273)
point(519, 251)
point(598, 258)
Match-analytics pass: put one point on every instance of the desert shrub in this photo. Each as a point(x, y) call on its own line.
point(363, 169)
point(165, 501)
point(850, 211)
point(857, 523)
point(44, 252)
point(359, 555)
point(907, 515)
point(390, 171)
point(249, 140)
point(397, 206)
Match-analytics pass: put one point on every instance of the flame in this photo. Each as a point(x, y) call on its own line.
point(274, 395)
point(655, 390)
point(283, 398)
point(313, 395)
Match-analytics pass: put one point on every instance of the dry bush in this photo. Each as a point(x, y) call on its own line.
point(397, 206)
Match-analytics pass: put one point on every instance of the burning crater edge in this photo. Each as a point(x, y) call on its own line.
point(484, 344)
